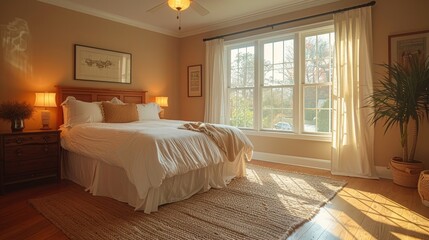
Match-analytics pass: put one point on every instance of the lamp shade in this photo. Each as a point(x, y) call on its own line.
point(162, 101)
point(45, 100)
point(179, 5)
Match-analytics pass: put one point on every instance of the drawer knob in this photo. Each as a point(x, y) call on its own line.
point(46, 149)
point(18, 152)
point(19, 140)
point(46, 138)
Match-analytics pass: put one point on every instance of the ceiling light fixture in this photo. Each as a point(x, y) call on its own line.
point(179, 6)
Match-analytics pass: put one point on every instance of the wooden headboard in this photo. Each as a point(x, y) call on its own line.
point(96, 95)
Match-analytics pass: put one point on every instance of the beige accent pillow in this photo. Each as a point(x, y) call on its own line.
point(123, 113)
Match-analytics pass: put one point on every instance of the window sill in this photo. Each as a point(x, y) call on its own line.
point(289, 135)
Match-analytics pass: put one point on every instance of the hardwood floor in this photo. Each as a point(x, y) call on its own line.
point(364, 209)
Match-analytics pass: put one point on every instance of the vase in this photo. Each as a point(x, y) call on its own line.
point(423, 187)
point(17, 125)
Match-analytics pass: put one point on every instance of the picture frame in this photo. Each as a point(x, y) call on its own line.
point(195, 88)
point(103, 65)
point(408, 43)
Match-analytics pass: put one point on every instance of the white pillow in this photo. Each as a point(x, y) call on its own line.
point(66, 111)
point(77, 112)
point(116, 100)
point(149, 111)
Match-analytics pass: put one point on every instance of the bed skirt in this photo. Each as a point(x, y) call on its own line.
point(102, 179)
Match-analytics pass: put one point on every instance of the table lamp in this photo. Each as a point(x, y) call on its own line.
point(45, 100)
point(163, 103)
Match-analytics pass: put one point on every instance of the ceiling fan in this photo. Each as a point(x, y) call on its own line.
point(181, 5)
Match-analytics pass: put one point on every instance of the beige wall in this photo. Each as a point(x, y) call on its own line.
point(48, 57)
point(389, 17)
point(393, 17)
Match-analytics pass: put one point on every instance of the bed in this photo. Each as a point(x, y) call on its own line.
point(148, 162)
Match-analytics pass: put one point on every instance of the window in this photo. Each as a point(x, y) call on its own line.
point(318, 73)
point(282, 83)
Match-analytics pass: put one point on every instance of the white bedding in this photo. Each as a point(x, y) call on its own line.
point(150, 151)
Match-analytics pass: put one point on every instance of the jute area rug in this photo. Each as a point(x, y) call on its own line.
point(267, 204)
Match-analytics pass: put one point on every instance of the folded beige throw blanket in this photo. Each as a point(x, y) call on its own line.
point(229, 139)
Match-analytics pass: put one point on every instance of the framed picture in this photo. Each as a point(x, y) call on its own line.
point(96, 64)
point(402, 45)
point(195, 81)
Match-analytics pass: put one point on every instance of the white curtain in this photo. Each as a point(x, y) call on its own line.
point(215, 90)
point(353, 136)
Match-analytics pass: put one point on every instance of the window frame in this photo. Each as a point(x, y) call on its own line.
point(298, 35)
point(228, 74)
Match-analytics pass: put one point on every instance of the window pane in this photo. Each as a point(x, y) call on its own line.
point(278, 52)
point(234, 78)
point(310, 97)
point(278, 74)
point(323, 45)
point(279, 63)
point(324, 97)
point(288, 72)
point(317, 108)
point(310, 71)
point(241, 108)
point(324, 121)
point(277, 108)
point(268, 77)
point(234, 58)
point(310, 47)
point(268, 54)
point(242, 67)
point(310, 120)
point(324, 70)
point(319, 58)
point(289, 51)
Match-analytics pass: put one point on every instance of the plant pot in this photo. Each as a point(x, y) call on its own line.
point(406, 173)
point(17, 125)
point(423, 187)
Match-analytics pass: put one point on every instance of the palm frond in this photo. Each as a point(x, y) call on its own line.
point(401, 96)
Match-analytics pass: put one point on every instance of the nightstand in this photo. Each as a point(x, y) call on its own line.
point(29, 157)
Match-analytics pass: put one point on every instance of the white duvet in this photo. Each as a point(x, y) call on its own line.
point(152, 150)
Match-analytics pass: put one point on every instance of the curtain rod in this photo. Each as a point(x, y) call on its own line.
point(372, 3)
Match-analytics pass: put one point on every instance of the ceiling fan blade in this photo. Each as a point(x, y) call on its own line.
point(157, 7)
point(199, 9)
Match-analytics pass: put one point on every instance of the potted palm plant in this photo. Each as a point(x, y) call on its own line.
point(402, 99)
point(16, 112)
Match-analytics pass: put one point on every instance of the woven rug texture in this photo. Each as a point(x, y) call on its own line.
point(267, 204)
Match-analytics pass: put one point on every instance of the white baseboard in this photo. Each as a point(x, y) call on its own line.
point(293, 160)
point(383, 172)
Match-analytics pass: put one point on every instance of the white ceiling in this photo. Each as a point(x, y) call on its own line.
point(222, 13)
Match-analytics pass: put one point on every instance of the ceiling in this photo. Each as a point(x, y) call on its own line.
point(222, 13)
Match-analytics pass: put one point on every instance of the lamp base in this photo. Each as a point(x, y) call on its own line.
point(46, 115)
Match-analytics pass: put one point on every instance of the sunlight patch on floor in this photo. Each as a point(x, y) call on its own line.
point(252, 176)
point(367, 210)
point(284, 181)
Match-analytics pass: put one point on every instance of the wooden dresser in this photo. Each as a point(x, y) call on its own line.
point(29, 157)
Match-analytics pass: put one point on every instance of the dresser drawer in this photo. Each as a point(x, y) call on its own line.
point(29, 166)
point(19, 140)
point(29, 176)
point(21, 153)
